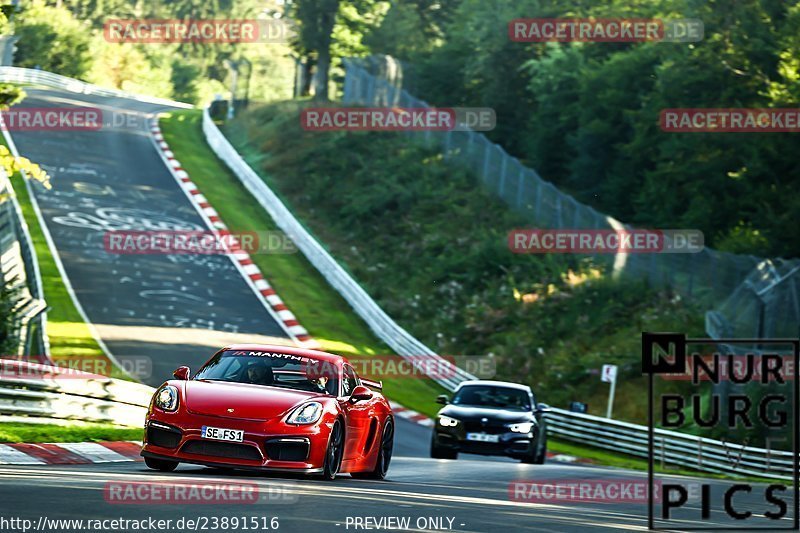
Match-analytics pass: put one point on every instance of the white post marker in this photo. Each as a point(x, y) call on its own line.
point(609, 375)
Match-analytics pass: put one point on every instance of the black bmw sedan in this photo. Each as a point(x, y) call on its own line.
point(490, 418)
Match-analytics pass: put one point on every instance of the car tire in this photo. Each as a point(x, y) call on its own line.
point(542, 453)
point(437, 452)
point(162, 465)
point(333, 453)
point(384, 455)
point(538, 456)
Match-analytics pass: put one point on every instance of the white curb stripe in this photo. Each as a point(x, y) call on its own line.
point(10, 456)
point(96, 453)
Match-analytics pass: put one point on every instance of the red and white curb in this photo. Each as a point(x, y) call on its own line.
point(411, 415)
point(249, 270)
point(69, 453)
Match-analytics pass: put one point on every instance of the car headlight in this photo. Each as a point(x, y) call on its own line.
point(308, 413)
point(167, 398)
point(446, 421)
point(524, 427)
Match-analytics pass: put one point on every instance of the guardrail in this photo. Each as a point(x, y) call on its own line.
point(671, 447)
point(31, 389)
point(19, 270)
point(48, 79)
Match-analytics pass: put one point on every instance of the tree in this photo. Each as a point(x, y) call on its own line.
point(315, 20)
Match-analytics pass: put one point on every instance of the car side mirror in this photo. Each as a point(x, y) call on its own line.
point(442, 399)
point(542, 408)
point(182, 373)
point(360, 393)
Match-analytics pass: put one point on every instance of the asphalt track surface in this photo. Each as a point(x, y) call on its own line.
point(171, 311)
point(154, 312)
point(473, 494)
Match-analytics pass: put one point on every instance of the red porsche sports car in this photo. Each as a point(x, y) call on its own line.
point(271, 408)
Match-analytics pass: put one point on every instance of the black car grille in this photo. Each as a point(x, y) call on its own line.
point(163, 435)
point(287, 449)
point(229, 450)
point(491, 427)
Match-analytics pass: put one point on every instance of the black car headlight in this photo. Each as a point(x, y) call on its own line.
point(447, 422)
point(167, 398)
point(522, 427)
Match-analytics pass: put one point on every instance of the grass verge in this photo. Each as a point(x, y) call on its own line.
point(70, 337)
point(83, 432)
point(318, 307)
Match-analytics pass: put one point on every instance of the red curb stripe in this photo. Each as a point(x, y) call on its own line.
point(217, 222)
point(127, 449)
point(51, 454)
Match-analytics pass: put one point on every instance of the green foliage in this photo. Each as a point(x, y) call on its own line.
point(9, 318)
point(69, 40)
point(50, 39)
point(431, 248)
point(585, 115)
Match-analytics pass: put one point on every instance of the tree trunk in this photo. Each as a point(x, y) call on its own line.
point(321, 75)
point(304, 77)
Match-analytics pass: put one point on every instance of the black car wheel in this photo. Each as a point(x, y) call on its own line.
point(162, 465)
point(333, 455)
point(384, 455)
point(538, 455)
point(437, 452)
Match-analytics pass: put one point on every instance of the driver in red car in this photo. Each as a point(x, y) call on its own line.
point(258, 373)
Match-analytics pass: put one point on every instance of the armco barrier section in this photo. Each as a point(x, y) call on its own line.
point(671, 447)
point(48, 79)
point(19, 271)
point(29, 389)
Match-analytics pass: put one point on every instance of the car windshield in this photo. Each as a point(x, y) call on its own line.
point(493, 397)
point(271, 369)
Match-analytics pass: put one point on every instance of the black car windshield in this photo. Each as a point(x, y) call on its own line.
point(493, 396)
point(271, 369)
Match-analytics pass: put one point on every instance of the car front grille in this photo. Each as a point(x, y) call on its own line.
point(228, 450)
point(491, 427)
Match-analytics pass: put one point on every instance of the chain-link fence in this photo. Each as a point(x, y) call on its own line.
point(710, 277)
point(765, 305)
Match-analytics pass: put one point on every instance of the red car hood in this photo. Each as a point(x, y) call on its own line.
point(256, 402)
